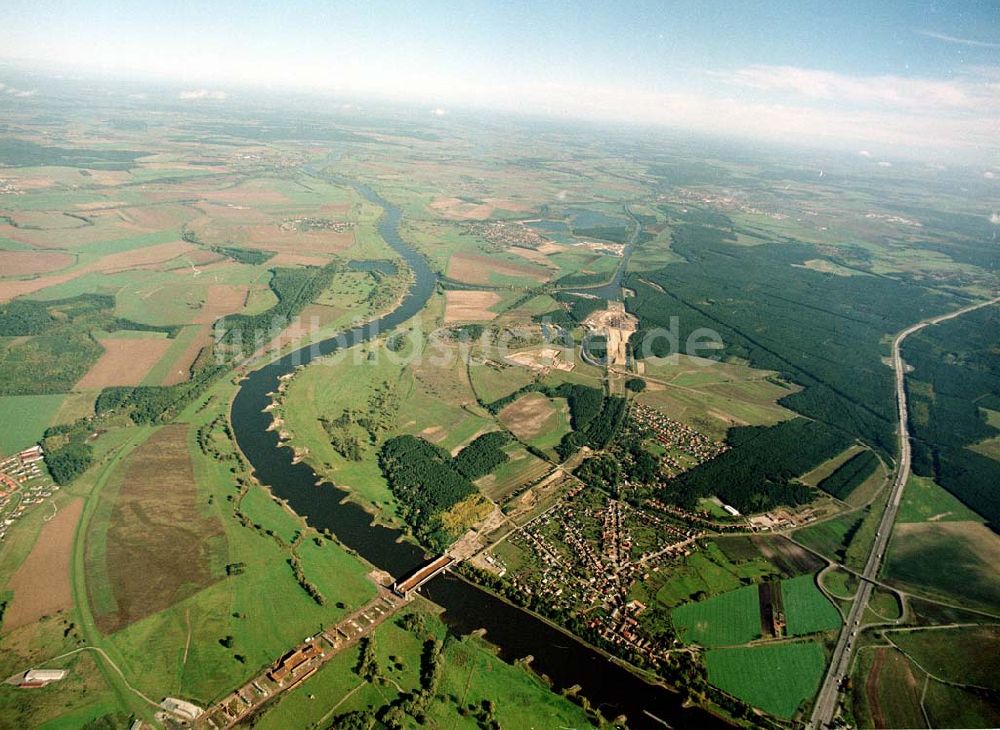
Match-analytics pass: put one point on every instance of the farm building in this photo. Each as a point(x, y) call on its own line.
point(180, 708)
point(41, 677)
point(292, 661)
point(30, 456)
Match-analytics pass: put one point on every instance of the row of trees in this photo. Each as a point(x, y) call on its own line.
point(155, 403)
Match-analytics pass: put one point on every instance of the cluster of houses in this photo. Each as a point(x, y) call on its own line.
point(22, 484)
point(7, 187)
point(316, 224)
point(675, 435)
point(504, 234)
point(588, 553)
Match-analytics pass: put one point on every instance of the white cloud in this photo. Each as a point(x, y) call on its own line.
point(20, 93)
point(989, 175)
point(898, 91)
point(955, 39)
point(883, 163)
point(439, 112)
point(197, 94)
point(865, 153)
point(995, 218)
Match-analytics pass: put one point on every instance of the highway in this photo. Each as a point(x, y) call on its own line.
point(827, 698)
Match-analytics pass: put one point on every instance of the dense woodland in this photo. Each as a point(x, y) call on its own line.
point(427, 481)
point(825, 332)
point(850, 475)
point(756, 472)
point(483, 455)
point(294, 288)
point(955, 380)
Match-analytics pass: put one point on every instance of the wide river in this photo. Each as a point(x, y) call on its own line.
point(517, 633)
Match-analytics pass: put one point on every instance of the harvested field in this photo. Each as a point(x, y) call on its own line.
point(42, 585)
point(141, 258)
point(535, 255)
point(789, 558)
point(476, 269)
point(151, 546)
point(529, 416)
point(27, 263)
point(222, 299)
point(465, 306)
point(459, 210)
point(242, 226)
point(257, 192)
point(124, 362)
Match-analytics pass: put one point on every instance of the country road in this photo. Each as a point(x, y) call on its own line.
point(840, 664)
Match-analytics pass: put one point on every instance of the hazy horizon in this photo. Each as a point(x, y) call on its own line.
point(899, 79)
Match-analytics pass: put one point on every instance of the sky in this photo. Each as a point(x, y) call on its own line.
point(877, 76)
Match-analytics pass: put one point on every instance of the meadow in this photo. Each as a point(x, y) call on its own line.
point(778, 678)
point(708, 572)
point(946, 559)
point(807, 610)
point(723, 620)
point(470, 674)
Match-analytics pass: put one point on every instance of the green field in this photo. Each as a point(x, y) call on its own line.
point(493, 382)
point(830, 537)
point(950, 706)
point(523, 468)
point(946, 559)
point(964, 655)
point(471, 673)
point(807, 610)
point(778, 678)
point(708, 572)
point(711, 396)
point(723, 620)
point(840, 583)
point(925, 501)
point(25, 418)
point(258, 505)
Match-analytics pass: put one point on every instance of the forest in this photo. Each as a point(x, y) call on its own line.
point(426, 480)
point(483, 455)
point(955, 381)
point(294, 288)
point(824, 332)
point(758, 470)
point(67, 451)
point(850, 474)
point(55, 345)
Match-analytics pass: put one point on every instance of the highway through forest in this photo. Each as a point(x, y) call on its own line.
point(840, 664)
